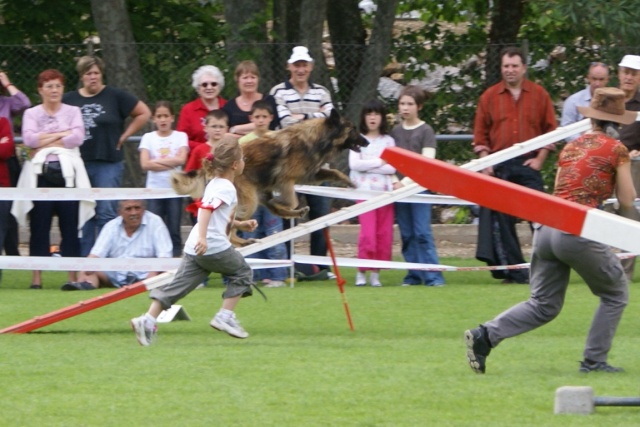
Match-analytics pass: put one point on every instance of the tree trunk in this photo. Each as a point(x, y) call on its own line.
point(247, 31)
point(375, 57)
point(348, 41)
point(506, 19)
point(312, 17)
point(122, 64)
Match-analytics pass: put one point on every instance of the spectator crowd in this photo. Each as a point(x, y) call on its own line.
point(74, 139)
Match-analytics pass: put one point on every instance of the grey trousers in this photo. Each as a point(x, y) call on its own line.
point(555, 253)
point(194, 269)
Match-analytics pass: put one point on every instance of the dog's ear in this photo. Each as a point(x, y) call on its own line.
point(333, 120)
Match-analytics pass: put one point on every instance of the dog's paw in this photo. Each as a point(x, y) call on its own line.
point(302, 212)
point(248, 242)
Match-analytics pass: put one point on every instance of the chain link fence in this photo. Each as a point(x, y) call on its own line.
point(453, 75)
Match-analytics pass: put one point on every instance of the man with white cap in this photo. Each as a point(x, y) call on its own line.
point(597, 76)
point(298, 99)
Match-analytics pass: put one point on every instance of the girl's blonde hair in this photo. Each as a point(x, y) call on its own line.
point(222, 155)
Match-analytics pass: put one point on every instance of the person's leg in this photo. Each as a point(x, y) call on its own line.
point(12, 237)
point(548, 283)
point(404, 217)
point(384, 235)
point(604, 275)
point(109, 176)
point(258, 233)
point(5, 214)
point(520, 174)
point(233, 266)
point(189, 275)
point(101, 175)
point(68, 224)
point(157, 207)
point(318, 206)
point(426, 251)
point(88, 235)
point(272, 224)
point(187, 278)
point(40, 229)
point(174, 223)
point(367, 237)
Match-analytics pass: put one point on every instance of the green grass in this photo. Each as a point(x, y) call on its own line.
point(404, 365)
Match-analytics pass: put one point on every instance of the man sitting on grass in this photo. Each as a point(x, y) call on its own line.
point(135, 233)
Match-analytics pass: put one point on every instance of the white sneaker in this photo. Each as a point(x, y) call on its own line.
point(376, 284)
point(275, 284)
point(331, 275)
point(145, 335)
point(231, 326)
point(361, 279)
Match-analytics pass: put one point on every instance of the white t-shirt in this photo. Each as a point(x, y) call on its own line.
point(162, 147)
point(219, 192)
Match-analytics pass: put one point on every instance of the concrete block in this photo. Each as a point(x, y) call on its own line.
point(574, 400)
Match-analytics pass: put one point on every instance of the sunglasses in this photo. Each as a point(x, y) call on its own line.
point(207, 84)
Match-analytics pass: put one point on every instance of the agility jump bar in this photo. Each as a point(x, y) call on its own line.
point(302, 229)
point(113, 264)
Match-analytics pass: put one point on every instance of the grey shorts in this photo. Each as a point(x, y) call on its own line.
point(194, 269)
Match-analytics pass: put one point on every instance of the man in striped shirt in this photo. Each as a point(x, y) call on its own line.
point(511, 111)
point(135, 233)
point(298, 99)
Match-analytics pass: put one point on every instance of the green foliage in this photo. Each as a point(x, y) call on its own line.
point(601, 22)
point(186, 29)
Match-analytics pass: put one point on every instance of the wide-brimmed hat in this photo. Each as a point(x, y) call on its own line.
point(630, 61)
point(300, 53)
point(607, 104)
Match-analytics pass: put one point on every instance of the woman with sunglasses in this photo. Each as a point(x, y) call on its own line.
point(208, 82)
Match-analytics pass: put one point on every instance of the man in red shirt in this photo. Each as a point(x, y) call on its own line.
point(511, 111)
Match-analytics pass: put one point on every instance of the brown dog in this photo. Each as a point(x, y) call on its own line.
point(282, 159)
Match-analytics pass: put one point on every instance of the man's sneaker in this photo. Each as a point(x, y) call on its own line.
point(331, 276)
point(78, 286)
point(230, 326)
point(145, 335)
point(587, 367)
point(478, 348)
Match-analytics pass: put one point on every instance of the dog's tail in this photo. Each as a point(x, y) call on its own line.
point(191, 183)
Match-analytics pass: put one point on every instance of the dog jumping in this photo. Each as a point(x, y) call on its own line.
point(275, 163)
